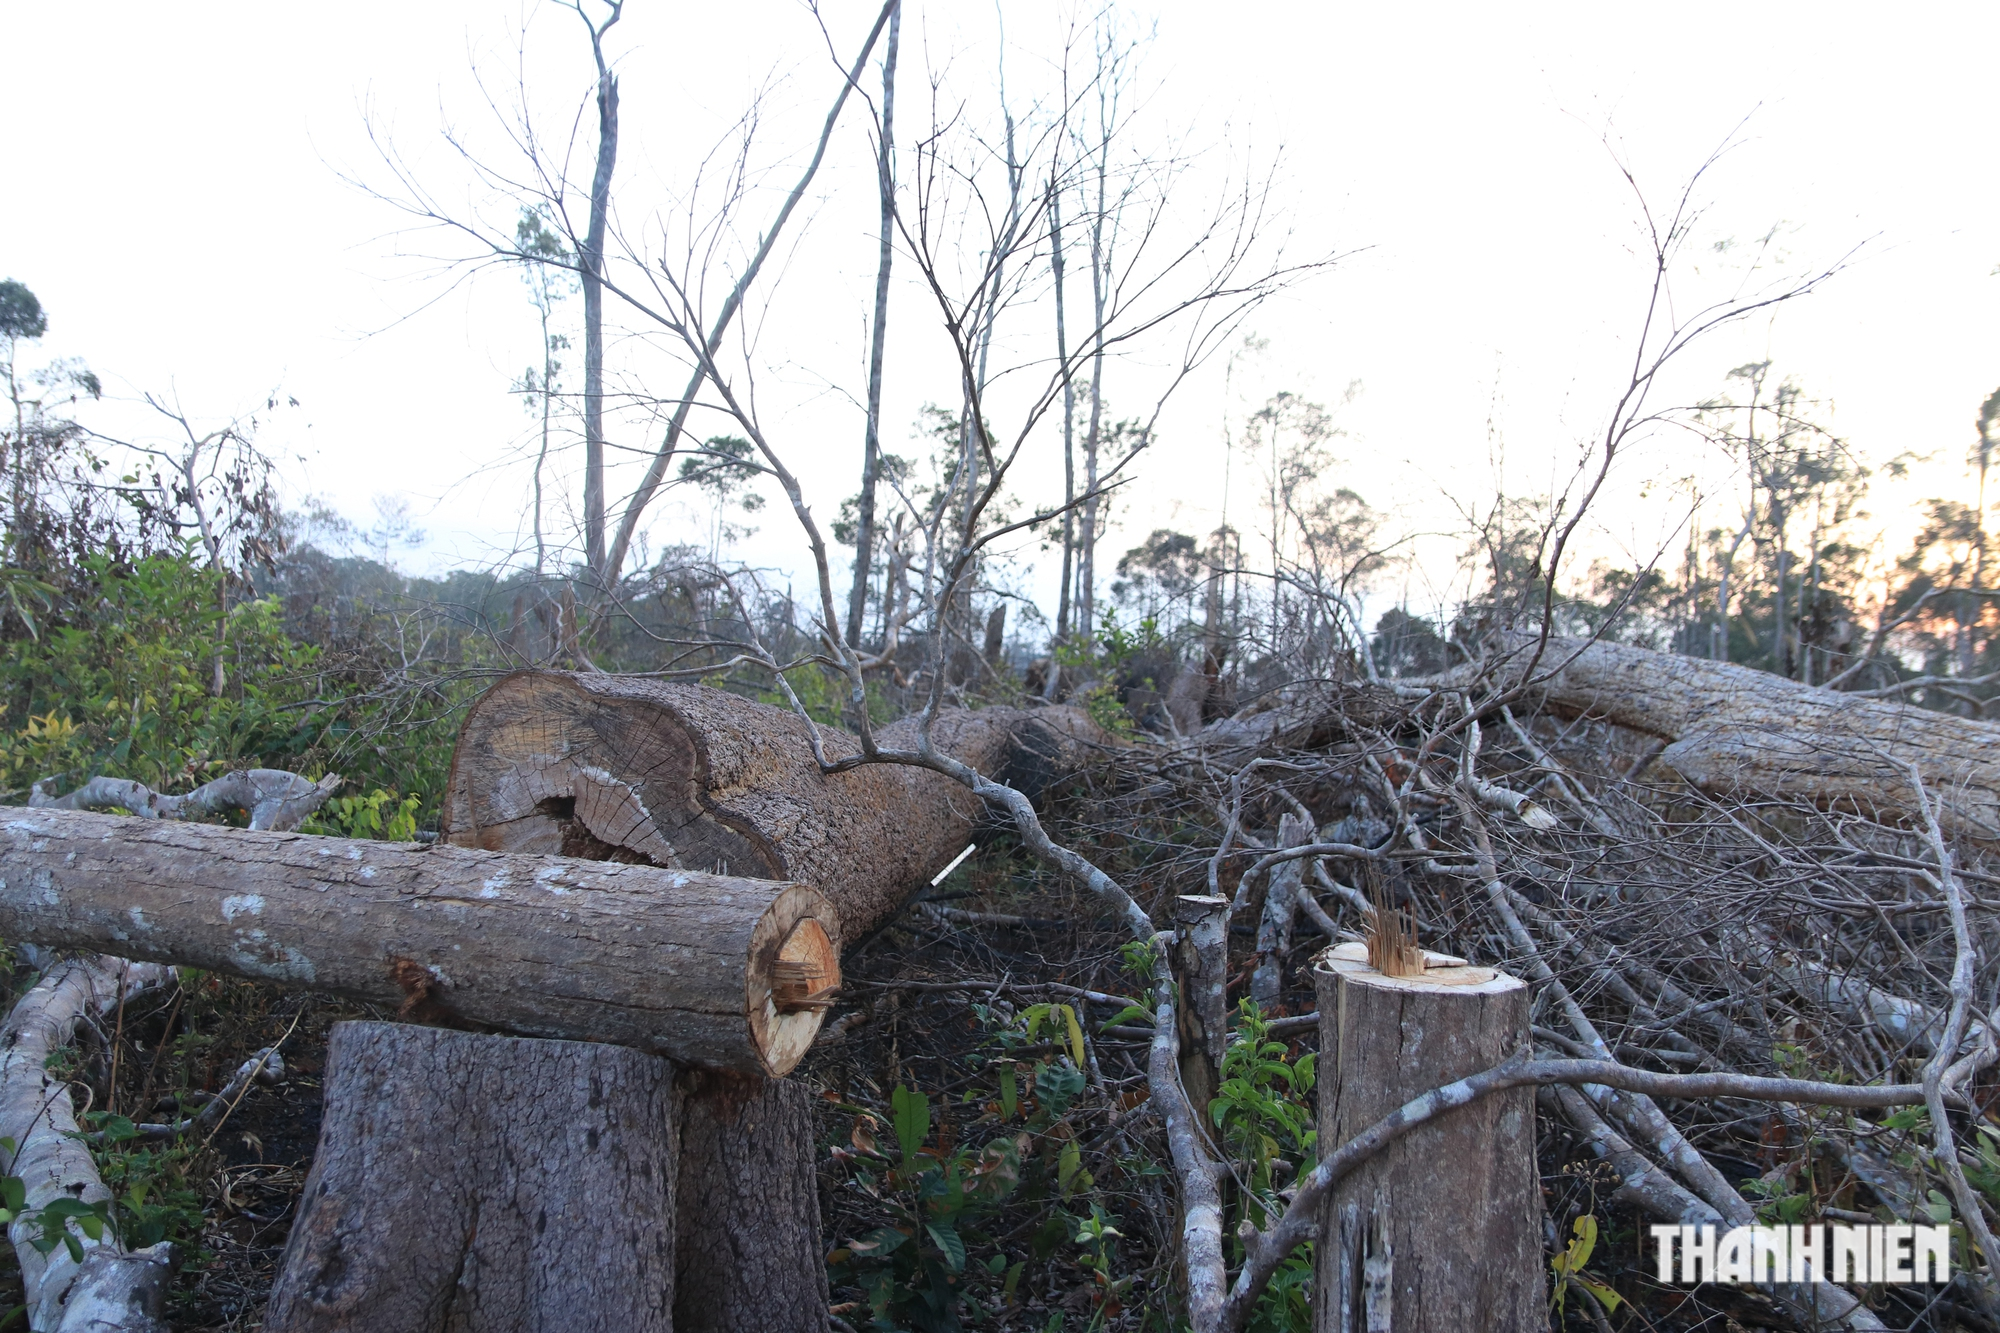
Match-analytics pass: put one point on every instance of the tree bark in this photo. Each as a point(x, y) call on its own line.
point(592, 258)
point(467, 1183)
point(1281, 906)
point(1201, 966)
point(1735, 728)
point(111, 1288)
point(687, 775)
point(878, 333)
point(749, 1247)
point(1441, 1232)
point(710, 970)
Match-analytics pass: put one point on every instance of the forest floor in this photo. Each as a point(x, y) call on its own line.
point(974, 1173)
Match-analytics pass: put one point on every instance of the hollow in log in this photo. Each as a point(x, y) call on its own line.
point(1441, 1232)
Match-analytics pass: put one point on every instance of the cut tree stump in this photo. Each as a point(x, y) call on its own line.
point(709, 970)
point(634, 769)
point(467, 1183)
point(750, 1252)
point(1440, 1232)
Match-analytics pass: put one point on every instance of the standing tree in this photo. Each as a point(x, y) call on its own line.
point(549, 281)
point(871, 454)
point(591, 263)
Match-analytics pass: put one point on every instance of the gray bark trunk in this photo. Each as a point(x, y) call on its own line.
point(476, 1184)
point(1734, 728)
point(1442, 1231)
point(749, 1248)
point(871, 449)
point(1281, 906)
point(706, 969)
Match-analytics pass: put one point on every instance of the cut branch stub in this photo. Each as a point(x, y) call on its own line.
point(1441, 1231)
point(705, 969)
point(632, 769)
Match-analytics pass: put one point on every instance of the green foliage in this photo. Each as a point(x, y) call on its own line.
point(1263, 1109)
point(935, 1263)
point(123, 684)
point(825, 697)
point(380, 814)
point(149, 1201)
point(915, 1269)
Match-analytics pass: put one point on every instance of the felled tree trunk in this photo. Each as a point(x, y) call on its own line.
point(685, 775)
point(467, 1183)
point(1734, 728)
point(711, 970)
point(749, 1247)
point(111, 1288)
point(1441, 1231)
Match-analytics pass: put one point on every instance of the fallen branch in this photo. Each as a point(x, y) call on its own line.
point(85, 1281)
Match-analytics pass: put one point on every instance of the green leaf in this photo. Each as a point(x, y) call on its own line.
point(1068, 1163)
point(913, 1121)
point(948, 1240)
point(1034, 1014)
point(1010, 1096)
point(1571, 1261)
point(1137, 1012)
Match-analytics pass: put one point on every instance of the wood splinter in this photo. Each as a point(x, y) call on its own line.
point(806, 974)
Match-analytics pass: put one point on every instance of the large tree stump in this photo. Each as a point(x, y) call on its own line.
point(475, 1184)
point(1440, 1232)
point(628, 768)
point(749, 1245)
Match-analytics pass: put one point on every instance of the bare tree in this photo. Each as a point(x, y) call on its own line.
point(871, 457)
point(590, 259)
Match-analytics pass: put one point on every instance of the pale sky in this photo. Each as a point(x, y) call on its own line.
point(180, 200)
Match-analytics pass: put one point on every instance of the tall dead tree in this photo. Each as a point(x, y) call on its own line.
point(590, 259)
point(878, 334)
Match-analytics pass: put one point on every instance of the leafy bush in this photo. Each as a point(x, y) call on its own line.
point(1264, 1111)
